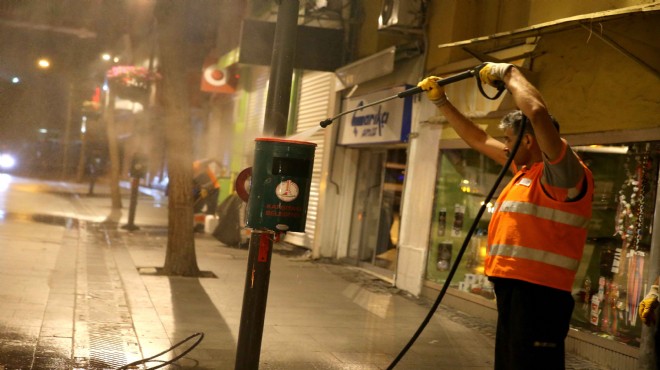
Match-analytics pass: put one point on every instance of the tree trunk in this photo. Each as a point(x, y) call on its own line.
point(180, 258)
point(113, 149)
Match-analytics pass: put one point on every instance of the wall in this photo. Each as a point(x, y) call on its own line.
point(456, 20)
point(591, 86)
point(588, 84)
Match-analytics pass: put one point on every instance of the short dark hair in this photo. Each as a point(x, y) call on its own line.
point(513, 120)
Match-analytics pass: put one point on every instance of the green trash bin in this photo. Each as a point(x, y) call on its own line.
point(279, 189)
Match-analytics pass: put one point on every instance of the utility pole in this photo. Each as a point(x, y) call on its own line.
point(281, 69)
point(260, 251)
point(66, 139)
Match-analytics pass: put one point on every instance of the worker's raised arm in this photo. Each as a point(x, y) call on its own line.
point(472, 134)
point(529, 100)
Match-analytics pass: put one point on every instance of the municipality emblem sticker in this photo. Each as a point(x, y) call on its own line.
point(287, 191)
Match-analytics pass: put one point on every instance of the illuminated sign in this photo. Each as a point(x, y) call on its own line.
point(388, 122)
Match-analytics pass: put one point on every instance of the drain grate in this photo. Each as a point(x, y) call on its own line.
point(104, 334)
point(106, 346)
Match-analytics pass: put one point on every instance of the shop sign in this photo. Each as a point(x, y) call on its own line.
point(388, 122)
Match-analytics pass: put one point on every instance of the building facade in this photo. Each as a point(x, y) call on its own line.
point(394, 189)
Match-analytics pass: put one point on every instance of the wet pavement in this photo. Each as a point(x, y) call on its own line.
point(78, 292)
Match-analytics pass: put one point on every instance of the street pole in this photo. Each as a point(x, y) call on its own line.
point(66, 142)
point(281, 69)
point(130, 226)
point(261, 241)
point(255, 295)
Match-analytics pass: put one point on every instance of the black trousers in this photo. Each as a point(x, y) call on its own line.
point(210, 201)
point(532, 323)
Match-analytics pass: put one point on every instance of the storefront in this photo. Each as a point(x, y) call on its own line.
point(375, 137)
point(619, 143)
point(614, 271)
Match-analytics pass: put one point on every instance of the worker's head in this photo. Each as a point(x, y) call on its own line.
point(514, 119)
point(529, 148)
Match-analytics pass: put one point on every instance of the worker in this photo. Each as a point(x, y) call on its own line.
point(206, 189)
point(538, 229)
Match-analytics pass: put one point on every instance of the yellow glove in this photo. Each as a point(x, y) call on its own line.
point(648, 305)
point(204, 193)
point(434, 92)
point(491, 73)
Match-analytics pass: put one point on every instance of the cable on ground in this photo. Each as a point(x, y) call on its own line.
point(133, 365)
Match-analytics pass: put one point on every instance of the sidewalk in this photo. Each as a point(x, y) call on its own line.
point(80, 294)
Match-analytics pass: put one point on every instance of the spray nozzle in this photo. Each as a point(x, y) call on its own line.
point(474, 72)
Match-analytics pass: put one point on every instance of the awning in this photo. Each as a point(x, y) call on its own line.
point(523, 38)
point(582, 64)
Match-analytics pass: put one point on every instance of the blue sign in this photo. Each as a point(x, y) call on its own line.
point(388, 122)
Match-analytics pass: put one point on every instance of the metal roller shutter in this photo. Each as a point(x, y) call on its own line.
point(313, 100)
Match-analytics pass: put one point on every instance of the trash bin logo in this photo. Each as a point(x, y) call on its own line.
point(287, 191)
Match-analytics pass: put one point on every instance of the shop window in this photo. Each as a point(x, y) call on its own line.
point(613, 274)
point(464, 179)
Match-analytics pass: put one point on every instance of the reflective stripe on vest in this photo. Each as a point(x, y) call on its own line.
point(546, 213)
point(546, 257)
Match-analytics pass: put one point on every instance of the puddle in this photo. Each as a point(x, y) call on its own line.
point(72, 222)
point(159, 271)
point(68, 222)
point(20, 351)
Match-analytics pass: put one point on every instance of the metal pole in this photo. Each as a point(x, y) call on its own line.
point(66, 140)
point(254, 300)
point(261, 241)
point(130, 226)
point(281, 69)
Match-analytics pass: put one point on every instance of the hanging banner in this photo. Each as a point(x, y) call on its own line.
point(388, 122)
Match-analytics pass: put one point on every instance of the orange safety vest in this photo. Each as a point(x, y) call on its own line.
point(211, 176)
point(534, 238)
point(209, 173)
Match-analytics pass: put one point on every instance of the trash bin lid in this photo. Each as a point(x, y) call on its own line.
point(285, 141)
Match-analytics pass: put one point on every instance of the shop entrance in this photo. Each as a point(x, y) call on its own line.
point(376, 209)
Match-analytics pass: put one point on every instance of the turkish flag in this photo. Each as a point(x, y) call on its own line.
point(218, 80)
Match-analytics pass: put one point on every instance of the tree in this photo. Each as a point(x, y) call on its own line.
point(180, 258)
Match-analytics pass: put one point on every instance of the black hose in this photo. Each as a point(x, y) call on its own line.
point(165, 363)
point(466, 241)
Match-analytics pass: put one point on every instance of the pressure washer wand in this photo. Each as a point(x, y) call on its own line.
point(409, 92)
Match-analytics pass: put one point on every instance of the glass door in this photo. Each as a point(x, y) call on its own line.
point(366, 206)
point(376, 207)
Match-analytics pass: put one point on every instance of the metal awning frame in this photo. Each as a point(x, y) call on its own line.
point(586, 21)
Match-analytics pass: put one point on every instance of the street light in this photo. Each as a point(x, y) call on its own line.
point(43, 63)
